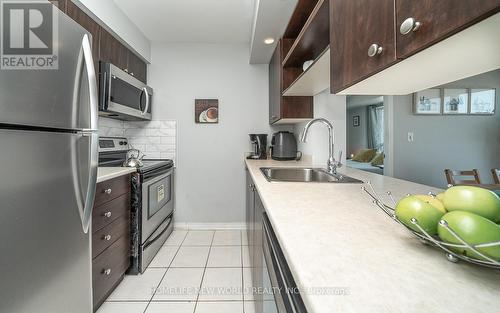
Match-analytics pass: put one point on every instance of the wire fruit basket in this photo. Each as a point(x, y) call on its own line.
point(427, 239)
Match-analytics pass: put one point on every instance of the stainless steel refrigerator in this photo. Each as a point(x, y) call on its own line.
point(48, 169)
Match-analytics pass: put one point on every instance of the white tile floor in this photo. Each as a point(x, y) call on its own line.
point(194, 272)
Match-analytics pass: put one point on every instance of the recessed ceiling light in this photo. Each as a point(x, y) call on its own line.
point(269, 41)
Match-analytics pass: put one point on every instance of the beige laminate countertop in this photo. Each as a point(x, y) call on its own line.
point(334, 237)
point(107, 173)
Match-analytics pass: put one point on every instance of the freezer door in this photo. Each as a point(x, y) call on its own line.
point(63, 98)
point(45, 241)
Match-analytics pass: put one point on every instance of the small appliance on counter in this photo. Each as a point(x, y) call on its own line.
point(284, 147)
point(260, 145)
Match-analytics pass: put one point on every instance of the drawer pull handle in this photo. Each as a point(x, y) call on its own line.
point(409, 25)
point(107, 214)
point(107, 272)
point(374, 50)
point(107, 237)
point(107, 191)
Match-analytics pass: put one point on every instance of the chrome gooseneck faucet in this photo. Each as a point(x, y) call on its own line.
point(332, 164)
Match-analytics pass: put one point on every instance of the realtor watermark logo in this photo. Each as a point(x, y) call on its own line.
point(29, 35)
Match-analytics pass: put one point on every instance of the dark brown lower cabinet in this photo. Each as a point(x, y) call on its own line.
point(110, 237)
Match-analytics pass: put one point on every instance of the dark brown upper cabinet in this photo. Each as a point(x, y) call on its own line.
point(105, 47)
point(86, 22)
point(113, 51)
point(359, 46)
point(61, 4)
point(311, 40)
point(136, 67)
point(422, 23)
point(285, 109)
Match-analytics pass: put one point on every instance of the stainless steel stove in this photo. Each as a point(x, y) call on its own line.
point(153, 200)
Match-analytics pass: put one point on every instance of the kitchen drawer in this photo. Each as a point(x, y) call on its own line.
point(105, 237)
point(108, 268)
point(111, 189)
point(108, 212)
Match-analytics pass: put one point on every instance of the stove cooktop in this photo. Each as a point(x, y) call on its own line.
point(150, 164)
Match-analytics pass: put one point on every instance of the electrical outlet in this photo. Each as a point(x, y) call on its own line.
point(410, 136)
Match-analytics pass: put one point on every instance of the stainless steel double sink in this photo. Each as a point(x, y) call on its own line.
point(305, 175)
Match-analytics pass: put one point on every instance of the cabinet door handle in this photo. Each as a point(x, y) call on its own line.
point(374, 50)
point(409, 25)
point(107, 214)
point(107, 271)
point(107, 237)
point(107, 191)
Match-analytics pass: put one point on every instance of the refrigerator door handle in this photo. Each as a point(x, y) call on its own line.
point(92, 81)
point(85, 207)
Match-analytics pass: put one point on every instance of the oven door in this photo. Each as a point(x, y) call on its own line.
point(123, 95)
point(157, 201)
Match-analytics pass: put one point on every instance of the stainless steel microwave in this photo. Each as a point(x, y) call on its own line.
point(122, 96)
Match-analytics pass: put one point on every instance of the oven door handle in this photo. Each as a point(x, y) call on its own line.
point(152, 240)
point(151, 180)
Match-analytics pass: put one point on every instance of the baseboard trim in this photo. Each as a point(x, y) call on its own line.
point(208, 226)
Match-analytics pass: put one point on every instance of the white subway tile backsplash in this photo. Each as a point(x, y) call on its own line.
point(152, 155)
point(136, 132)
point(157, 139)
point(109, 122)
point(110, 127)
point(168, 140)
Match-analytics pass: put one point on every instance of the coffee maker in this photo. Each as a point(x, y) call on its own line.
point(259, 142)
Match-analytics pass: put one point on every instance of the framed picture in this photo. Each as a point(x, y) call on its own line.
point(427, 102)
point(355, 120)
point(482, 101)
point(456, 101)
point(206, 111)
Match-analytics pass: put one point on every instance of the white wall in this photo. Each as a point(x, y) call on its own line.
point(210, 167)
point(118, 23)
point(445, 141)
point(333, 108)
point(357, 136)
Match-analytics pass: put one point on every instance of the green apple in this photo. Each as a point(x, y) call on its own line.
point(432, 201)
point(474, 229)
point(440, 196)
point(427, 215)
point(472, 199)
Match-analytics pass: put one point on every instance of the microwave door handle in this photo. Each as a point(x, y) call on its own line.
point(147, 100)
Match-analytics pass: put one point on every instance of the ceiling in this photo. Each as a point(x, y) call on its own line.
point(271, 18)
point(362, 101)
point(212, 21)
point(201, 21)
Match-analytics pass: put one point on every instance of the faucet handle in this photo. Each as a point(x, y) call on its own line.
point(339, 161)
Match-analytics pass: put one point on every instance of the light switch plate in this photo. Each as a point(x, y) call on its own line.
point(410, 136)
